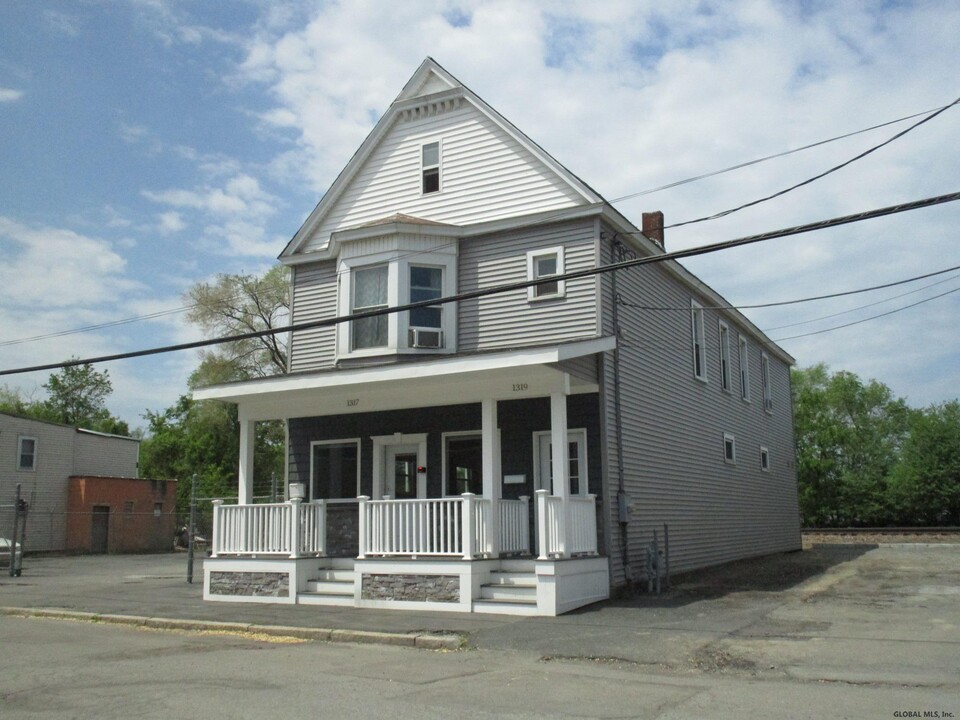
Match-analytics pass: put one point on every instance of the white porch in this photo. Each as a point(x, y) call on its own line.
point(466, 552)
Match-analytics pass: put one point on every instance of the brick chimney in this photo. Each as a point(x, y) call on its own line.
point(653, 227)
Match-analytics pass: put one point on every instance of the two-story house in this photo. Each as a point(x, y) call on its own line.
point(506, 451)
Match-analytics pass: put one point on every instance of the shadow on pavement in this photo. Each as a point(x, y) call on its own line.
point(771, 573)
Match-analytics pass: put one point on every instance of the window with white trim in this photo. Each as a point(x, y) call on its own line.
point(764, 459)
point(430, 167)
point(699, 352)
point(744, 370)
point(544, 264)
point(765, 380)
point(724, 356)
point(26, 453)
point(462, 463)
point(334, 469)
point(729, 449)
point(369, 293)
point(425, 323)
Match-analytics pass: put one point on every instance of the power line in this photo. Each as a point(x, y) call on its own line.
point(589, 272)
point(676, 183)
point(862, 307)
point(757, 161)
point(813, 179)
point(872, 317)
point(808, 299)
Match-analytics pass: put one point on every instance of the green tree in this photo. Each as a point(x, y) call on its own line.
point(77, 395)
point(925, 486)
point(849, 435)
point(238, 304)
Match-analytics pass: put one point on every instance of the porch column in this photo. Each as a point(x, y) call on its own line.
point(490, 440)
point(248, 436)
point(560, 458)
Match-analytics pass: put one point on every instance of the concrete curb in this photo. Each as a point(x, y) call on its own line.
point(424, 640)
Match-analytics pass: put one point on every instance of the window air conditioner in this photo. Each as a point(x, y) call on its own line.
point(422, 338)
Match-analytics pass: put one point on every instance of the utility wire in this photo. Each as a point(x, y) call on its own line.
point(808, 299)
point(813, 179)
point(589, 272)
point(676, 183)
point(742, 165)
point(872, 317)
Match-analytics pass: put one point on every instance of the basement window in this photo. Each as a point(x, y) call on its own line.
point(430, 167)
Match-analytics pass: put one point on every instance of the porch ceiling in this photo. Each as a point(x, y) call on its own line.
point(521, 373)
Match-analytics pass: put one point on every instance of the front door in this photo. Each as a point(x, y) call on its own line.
point(577, 443)
point(400, 472)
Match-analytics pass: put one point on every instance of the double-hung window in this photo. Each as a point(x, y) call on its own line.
point(699, 352)
point(430, 167)
point(543, 264)
point(765, 379)
point(724, 356)
point(27, 453)
point(369, 293)
point(744, 370)
point(425, 323)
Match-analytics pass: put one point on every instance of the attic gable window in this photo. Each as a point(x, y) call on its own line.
point(430, 167)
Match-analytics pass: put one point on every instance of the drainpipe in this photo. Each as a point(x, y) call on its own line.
point(623, 507)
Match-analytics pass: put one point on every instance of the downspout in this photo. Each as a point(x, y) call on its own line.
point(623, 506)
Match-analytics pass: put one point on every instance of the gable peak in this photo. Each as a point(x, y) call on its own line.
point(430, 78)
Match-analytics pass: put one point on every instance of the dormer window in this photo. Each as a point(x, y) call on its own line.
point(430, 167)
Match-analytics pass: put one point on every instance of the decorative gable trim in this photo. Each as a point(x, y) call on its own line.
point(408, 106)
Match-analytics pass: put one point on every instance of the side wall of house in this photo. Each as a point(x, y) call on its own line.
point(101, 455)
point(44, 488)
point(511, 319)
point(314, 298)
point(675, 471)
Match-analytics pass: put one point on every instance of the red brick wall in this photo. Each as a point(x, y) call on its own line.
point(134, 525)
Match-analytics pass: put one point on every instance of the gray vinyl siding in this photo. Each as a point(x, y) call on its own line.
point(673, 428)
point(314, 298)
point(62, 451)
point(485, 175)
point(106, 456)
point(510, 319)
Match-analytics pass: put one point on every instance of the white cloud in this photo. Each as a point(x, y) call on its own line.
point(171, 222)
point(10, 95)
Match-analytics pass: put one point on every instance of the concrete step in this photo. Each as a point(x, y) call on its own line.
point(338, 563)
point(335, 574)
point(527, 565)
point(330, 587)
point(504, 607)
point(509, 593)
point(519, 579)
point(317, 599)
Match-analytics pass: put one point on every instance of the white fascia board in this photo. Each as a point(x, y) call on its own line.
point(444, 367)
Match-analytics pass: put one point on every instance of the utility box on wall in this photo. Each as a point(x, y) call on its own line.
point(120, 515)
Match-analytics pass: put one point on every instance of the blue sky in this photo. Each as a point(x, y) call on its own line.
point(147, 144)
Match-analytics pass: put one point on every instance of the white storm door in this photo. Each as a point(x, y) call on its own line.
point(577, 440)
point(402, 481)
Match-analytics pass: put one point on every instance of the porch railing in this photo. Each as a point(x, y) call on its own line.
point(566, 527)
point(290, 529)
point(442, 527)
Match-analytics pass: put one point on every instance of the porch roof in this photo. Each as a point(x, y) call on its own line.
point(508, 374)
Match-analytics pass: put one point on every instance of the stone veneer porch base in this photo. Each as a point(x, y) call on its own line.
point(408, 583)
